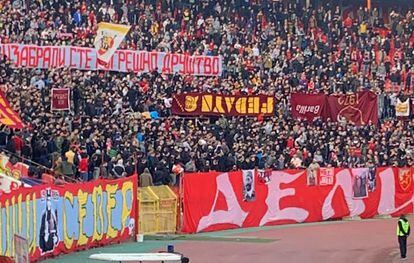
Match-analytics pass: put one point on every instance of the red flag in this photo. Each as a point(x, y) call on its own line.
point(307, 106)
point(8, 116)
point(359, 108)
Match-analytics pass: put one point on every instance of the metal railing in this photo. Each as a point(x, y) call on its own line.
point(48, 170)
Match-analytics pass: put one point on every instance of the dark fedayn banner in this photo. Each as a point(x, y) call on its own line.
point(196, 104)
point(360, 108)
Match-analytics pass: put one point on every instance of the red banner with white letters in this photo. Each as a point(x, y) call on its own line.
point(307, 106)
point(360, 108)
point(137, 61)
point(60, 99)
point(286, 198)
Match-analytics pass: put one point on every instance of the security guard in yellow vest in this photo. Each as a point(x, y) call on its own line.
point(403, 231)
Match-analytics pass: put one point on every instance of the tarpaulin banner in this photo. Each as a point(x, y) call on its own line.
point(307, 106)
point(108, 38)
point(60, 99)
point(63, 219)
point(196, 104)
point(286, 198)
point(8, 116)
point(360, 108)
point(82, 58)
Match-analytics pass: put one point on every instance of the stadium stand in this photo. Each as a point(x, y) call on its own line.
point(267, 47)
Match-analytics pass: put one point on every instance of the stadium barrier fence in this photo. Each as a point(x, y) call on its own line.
point(157, 210)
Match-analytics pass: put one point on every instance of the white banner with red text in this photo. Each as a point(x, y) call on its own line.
point(286, 197)
point(82, 58)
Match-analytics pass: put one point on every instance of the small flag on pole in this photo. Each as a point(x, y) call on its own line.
point(108, 38)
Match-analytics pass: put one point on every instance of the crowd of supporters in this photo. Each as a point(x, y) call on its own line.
point(267, 47)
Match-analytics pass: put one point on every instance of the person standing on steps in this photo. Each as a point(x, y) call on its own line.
point(403, 231)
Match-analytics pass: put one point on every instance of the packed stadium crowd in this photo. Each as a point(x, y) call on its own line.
point(121, 123)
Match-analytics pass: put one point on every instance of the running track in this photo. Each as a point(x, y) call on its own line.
point(339, 242)
point(365, 241)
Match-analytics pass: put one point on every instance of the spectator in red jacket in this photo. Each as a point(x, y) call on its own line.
point(18, 144)
point(83, 167)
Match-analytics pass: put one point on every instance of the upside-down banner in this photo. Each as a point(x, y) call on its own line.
point(195, 104)
point(307, 106)
point(56, 219)
point(286, 198)
point(360, 108)
point(137, 61)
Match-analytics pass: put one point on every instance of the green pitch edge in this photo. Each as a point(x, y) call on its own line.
point(153, 243)
point(210, 238)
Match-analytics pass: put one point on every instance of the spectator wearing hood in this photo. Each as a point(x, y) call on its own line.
point(145, 178)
